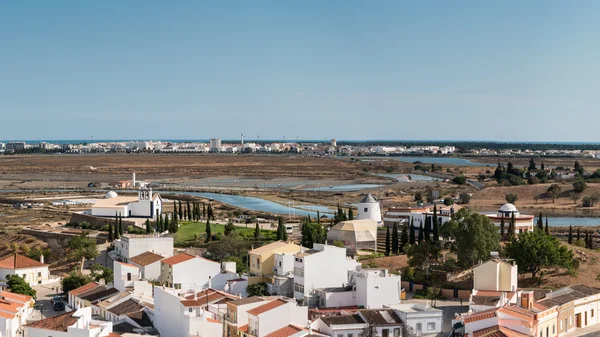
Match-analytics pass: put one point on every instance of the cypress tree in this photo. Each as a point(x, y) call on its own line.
point(318, 217)
point(404, 238)
point(117, 235)
point(165, 225)
point(148, 230)
point(502, 228)
point(120, 225)
point(420, 237)
point(427, 228)
point(547, 228)
point(174, 207)
point(210, 214)
point(511, 227)
point(436, 235)
point(395, 239)
point(586, 240)
point(208, 232)
point(189, 210)
point(542, 166)
point(180, 210)
point(350, 214)
point(174, 226)
point(540, 223)
point(570, 237)
point(257, 231)
point(387, 242)
point(411, 234)
point(591, 241)
point(111, 235)
point(203, 209)
point(578, 234)
point(280, 229)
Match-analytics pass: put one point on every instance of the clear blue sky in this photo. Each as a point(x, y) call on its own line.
point(487, 70)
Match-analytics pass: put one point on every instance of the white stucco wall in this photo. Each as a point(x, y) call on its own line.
point(128, 247)
point(192, 274)
point(327, 268)
point(373, 212)
point(376, 290)
point(33, 276)
point(9, 326)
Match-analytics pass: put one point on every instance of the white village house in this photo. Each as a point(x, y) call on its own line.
point(130, 245)
point(32, 271)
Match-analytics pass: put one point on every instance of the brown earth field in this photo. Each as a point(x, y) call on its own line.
point(181, 165)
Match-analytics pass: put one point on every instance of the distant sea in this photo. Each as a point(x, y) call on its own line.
point(81, 141)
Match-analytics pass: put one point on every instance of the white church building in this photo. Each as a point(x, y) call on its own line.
point(368, 209)
point(144, 205)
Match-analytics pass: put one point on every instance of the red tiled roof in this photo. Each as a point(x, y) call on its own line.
point(286, 331)
point(498, 331)
point(266, 307)
point(16, 261)
point(7, 315)
point(55, 323)
point(10, 306)
point(243, 328)
point(486, 314)
point(15, 297)
point(191, 303)
point(178, 259)
point(212, 320)
point(146, 258)
point(84, 288)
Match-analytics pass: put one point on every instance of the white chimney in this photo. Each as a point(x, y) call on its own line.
point(133, 179)
point(41, 258)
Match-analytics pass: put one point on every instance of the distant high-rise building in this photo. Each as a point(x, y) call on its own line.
point(242, 140)
point(215, 145)
point(334, 142)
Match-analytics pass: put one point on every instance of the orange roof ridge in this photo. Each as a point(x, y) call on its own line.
point(266, 307)
point(173, 260)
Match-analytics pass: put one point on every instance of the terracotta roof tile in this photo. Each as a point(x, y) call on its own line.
point(212, 320)
point(10, 306)
point(486, 314)
point(83, 288)
point(247, 300)
point(146, 258)
point(15, 297)
point(286, 331)
point(126, 307)
point(191, 303)
point(178, 259)
point(56, 323)
point(344, 319)
point(243, 328)
point(16, 261)
point(127, 264)
point(266, 307)
point(7, 315)
point(498, 331)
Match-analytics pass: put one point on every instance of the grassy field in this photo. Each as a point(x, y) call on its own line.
point(190, 231)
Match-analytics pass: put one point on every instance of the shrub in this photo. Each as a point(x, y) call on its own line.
point(448, 201)
point(460, 180)
point(511, 198)
point(579, 186)
point(465, 198)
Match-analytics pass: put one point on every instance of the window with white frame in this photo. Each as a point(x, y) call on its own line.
point(431, 326)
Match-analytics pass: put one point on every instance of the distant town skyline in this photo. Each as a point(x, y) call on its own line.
point(352, 70)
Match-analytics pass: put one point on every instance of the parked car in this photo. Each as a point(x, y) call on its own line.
point(58, 304)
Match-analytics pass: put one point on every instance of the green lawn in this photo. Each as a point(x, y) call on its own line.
point(188, 230)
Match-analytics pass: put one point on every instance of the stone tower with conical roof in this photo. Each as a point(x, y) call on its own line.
point(368, 208)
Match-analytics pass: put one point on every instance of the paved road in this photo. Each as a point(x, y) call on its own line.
point(44, 295)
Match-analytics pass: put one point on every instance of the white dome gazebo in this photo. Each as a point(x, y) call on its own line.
point(507, 210)
point(110, 195)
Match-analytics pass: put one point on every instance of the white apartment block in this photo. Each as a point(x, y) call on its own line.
point(322, 266)
point(131, 245)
